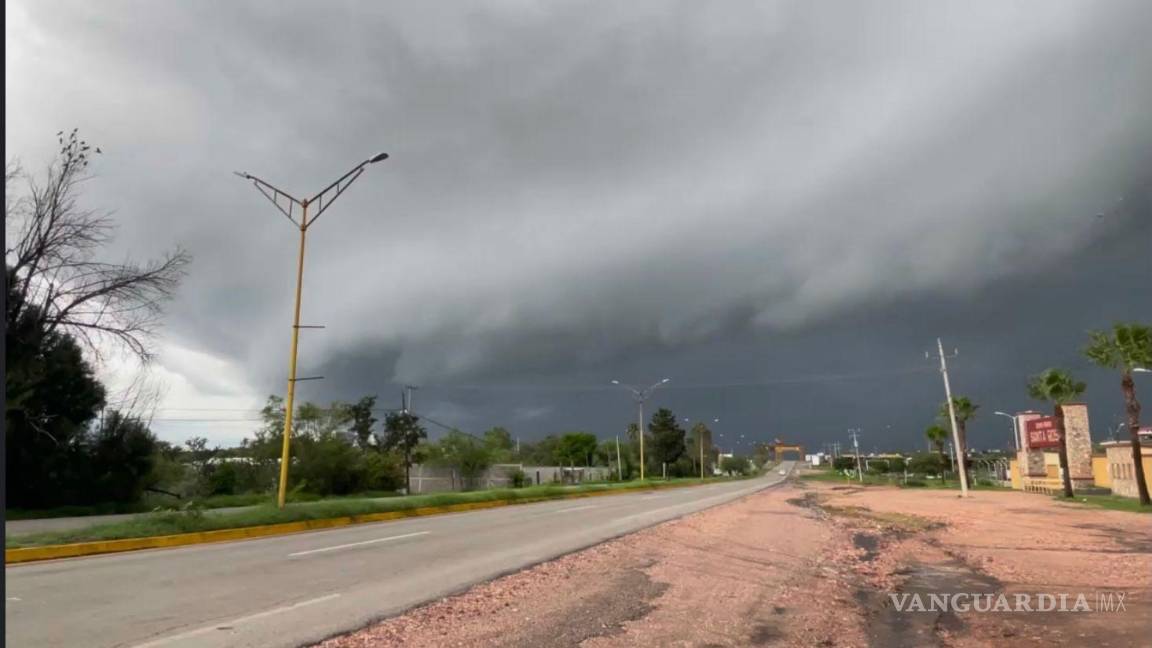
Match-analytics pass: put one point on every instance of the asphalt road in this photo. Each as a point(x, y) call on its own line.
point(297, 589)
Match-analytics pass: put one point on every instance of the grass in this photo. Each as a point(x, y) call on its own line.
point(892, 521)
point(1112, 502)
point(176, 521)
point(887, 480)
point(152, 502)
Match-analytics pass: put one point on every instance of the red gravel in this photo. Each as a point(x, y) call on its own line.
point(801, 566)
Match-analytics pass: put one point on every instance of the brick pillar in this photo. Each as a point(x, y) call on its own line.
point(1030, 462)
point(1079, 442)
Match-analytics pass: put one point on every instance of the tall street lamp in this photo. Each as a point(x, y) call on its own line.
point(1015, 430)
point(641, 395)
point(700, 442)
point(322, 201)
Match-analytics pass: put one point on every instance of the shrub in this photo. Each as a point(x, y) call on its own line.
point(844, 463)
point(928, 463)
point(517, 478)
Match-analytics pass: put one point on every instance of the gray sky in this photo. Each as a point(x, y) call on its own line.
point(778, 205)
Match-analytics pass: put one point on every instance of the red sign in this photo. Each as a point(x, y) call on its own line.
point(1043, 432)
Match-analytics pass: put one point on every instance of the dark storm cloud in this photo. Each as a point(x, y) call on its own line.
point(726, 194)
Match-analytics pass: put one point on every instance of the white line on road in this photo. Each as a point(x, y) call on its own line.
point(357, 544)
point(234, 622)
point(575, 508)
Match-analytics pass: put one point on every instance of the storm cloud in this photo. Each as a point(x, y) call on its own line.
point(779, 205)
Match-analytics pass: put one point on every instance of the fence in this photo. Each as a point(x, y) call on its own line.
point(439, 479)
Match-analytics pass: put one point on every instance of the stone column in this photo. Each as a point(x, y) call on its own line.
point(1079, 442)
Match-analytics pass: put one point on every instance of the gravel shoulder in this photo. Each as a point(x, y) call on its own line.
point(810, 564)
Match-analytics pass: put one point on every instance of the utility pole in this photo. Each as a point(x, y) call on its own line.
point(321, 203)
point(961, 468)
point(641, 395)
point(619, 464)
point(856, 444)
point(408, 397)
point(701, 441)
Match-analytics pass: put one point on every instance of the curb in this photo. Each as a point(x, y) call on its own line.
point(79, 549)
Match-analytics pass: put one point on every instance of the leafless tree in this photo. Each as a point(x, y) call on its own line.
point(54, 276)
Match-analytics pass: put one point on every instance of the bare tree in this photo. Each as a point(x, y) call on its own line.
point(53, 275)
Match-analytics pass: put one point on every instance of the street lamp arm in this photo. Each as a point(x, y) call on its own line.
point(342, 183)
point(273, 194)
point(658, 384)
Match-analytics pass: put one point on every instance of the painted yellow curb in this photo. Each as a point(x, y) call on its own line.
point(52, 552)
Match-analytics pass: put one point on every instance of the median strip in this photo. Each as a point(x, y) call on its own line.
point(118, 545)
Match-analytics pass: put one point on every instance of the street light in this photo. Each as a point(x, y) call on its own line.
point(641, 395)
point(1015, 430)
point(274, 195)
point(700, 442)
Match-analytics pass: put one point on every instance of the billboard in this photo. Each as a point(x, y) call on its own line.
point(1043, 432)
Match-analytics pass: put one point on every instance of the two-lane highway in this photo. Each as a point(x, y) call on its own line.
point(293, 590)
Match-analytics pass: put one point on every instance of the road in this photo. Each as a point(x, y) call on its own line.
point(297, 589)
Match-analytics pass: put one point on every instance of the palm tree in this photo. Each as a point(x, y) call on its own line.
point(938, 436)
point(965, 409)
point(1058, 387)
point(1128, 346)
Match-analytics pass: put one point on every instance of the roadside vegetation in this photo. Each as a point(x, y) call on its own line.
point(1111, 502)
point(920, 470)
point(194, 518)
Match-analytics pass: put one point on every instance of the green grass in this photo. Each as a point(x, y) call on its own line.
point(1112, 502)
point(893, 480)
point(173, 522)
point(153, 501)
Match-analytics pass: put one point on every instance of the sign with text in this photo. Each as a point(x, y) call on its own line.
point(1043, 432)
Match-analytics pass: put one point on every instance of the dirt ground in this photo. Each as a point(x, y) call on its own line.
point(812, 564)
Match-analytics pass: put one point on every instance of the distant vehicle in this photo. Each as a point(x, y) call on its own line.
point(783, 472)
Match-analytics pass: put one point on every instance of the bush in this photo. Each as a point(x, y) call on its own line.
point(517, 478)
point(844, 463)
point(469, 457)
point(684, 467)
point(928, 463)
point(916, 483)
point(735, 466)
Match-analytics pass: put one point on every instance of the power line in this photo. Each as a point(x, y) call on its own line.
point(682, 386)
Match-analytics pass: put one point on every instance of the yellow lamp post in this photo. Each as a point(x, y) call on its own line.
point(275, 195)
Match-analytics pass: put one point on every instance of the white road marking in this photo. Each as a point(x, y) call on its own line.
point(357, 544)
point(215, 627)
point(575, 508)
point(12, 598)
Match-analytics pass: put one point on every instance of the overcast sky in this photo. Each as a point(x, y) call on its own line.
point(778, 205)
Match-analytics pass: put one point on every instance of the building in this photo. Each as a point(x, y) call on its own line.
point(1120, 468)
